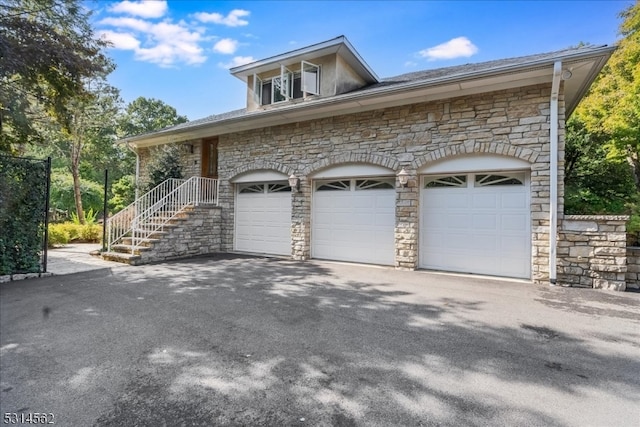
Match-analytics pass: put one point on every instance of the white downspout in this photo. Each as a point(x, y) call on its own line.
point(553, 172)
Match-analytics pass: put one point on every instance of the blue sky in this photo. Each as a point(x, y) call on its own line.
point(180, 51)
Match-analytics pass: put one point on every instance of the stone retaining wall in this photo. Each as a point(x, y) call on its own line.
point(198, 233)
point(633, 267)
point(592, 251)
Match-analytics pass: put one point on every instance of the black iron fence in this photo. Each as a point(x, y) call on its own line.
point(24, 202)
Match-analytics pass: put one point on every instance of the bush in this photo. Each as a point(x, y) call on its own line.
point(91, 233)
point(58, 235)
point(66, 232)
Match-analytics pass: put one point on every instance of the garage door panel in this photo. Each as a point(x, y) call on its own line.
point(484, 201)
point(514, 201)
point(484, 221)
point(263, 221)
point(354, 224)
point(483, 228)
point(514, 222)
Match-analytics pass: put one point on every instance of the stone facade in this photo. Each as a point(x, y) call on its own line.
point(513, 122)
point(633, 267)
point(197, 232)
point(592, 251)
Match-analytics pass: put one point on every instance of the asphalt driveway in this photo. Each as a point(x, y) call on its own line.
point(234, 340)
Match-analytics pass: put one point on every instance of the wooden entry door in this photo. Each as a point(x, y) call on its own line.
point(210, 158)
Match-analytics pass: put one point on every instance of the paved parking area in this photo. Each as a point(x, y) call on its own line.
point(234, 340)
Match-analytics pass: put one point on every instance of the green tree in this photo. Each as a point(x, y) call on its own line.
point(47, 50)
point(165, 163)
point(91, 125)
point(611, 110)
point(144, 115)
point(123, 193)
point(595, 183)
point(63, 197)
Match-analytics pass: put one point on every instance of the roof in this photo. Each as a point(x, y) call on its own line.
point(339, 45)
point(581, 63)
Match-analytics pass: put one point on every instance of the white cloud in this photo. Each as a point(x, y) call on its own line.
point(132, 23)
point(163, 43)
point(233, 19)
point(454, 48)
point(144, 9)
point(410, 64)
point(124, 41)
point(237, 61)
point(226, 46)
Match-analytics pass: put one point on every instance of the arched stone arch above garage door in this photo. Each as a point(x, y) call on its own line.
point(259, 166)
point(478, 149)
point(474, 162)
point(352, 158)
point(349, 170)
point(261, 175)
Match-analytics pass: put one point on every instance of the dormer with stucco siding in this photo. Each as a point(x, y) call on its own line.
point(319, 71)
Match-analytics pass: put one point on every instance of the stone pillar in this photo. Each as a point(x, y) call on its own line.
point(406, 231)
point(301, 221)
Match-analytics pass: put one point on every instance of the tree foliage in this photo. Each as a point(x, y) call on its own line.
point(165, 163)
point(144, 115)
point(47, 50)
point(91, 124)
point(594, 182)
point(611, 109)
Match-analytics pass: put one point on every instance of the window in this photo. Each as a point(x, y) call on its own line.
point(288, 85)
point(490, 180)
point(375, 184)
point(446, 181)
point(310, 79)
point(333, 185)
point(251, 188)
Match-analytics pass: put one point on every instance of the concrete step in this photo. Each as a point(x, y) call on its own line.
point(126, 249)
point(148, 242)
point(120, 257)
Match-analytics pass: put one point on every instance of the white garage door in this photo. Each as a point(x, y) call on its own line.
point(476, 223)
point(263, 218)
point(354, 220)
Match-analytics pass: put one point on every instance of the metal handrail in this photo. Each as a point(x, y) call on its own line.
point(119, 225)
point(153, 215)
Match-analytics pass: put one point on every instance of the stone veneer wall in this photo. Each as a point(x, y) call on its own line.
point(592, 251)
point(512, 122)
point(198, 233)
point(633, 267)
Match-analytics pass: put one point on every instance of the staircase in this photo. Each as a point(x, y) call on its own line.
point(139, 226)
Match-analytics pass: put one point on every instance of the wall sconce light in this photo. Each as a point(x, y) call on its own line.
point(294, 182)
point(403, 177)
point(188, 148)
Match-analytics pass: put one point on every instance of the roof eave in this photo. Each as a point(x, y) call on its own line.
point(451, 86)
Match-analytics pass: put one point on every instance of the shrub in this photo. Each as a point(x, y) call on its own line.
point(91, 233)
point(58, 235)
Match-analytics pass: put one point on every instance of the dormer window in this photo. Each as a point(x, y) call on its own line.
point(288, 85)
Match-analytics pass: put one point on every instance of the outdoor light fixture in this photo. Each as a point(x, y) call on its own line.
point(566, 74)
point(294, 182)
point(403, 177)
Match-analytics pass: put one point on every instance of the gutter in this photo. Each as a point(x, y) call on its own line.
point(553, 171)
